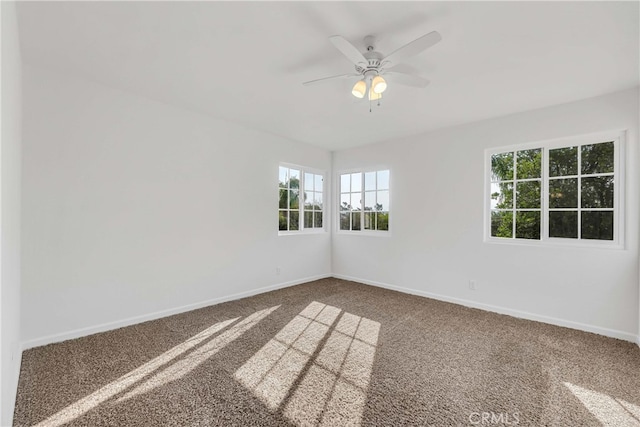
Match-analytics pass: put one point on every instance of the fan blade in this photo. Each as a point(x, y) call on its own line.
point(407, 79)
point(402, 68)
point(413, 48)
point(350, 51)
point(310, 82)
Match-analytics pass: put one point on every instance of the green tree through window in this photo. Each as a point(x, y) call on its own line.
point(364, 201)
point(515, 194)
point(300, 204)
point(289, 203)
point(580, 182)
point(581, 191)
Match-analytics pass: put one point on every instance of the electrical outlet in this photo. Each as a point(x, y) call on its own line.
point(472, 285)
point(278, 271)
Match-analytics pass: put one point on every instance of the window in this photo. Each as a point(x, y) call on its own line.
point(581, 191)
point(515, 194)
point(560, 191)
point(312, 200)
point(294, 213)
point(364, 201)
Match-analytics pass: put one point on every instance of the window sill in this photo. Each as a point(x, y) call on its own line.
point(302, 232)
point(368, 233)
point(557, 243)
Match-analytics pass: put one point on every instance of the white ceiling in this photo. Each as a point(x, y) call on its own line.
point(245, 61)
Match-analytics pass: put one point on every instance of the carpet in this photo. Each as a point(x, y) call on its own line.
point(332, 353)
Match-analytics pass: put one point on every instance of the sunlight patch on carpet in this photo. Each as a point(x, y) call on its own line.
point(608, 410)
point(333, 390)
point(273, 369)
point(128, 380)
point(194, 359)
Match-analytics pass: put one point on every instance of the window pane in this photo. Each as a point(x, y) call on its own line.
point(308, 219)
point(528, 194)
point(597, 225)
point(345, 201)
point(317, 201)
point(318, 182)
point(502, 167)
point(294, 178)
point(356, 182)
point(529, 164)
point(284, 202)
point(597, 158)
point(282, 220)
point(369, 181)
point(383, 180)
point(369, 220)
point(528, 225)
point(563, 161)
point(283, 176)
point(345, 183)
point(382, 221)
point(308, 199)
point(317, 219)
point(369, 200)
point(308, 181)
point(382, 203)
point(502, 195)
point(501, 224)
point(563, 224)
point(293, 220)
point(597, 192)
point(355, 221)
point(563, 193)
point(345, 221)
point(356, 202)
point(294, 203)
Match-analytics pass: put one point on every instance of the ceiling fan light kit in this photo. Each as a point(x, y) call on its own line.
point(373, 96)
point(379, 84)
point(359, 89)
point(371, 65)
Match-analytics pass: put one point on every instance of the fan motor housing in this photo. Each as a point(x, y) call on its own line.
point(373, 62)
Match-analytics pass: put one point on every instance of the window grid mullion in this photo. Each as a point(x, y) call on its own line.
point(544, 189)
point(301, 201)
point(513, 206)
point(375, 215)
point(579, 192)
point(288, 199)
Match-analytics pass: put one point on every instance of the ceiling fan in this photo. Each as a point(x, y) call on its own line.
point(371, 65)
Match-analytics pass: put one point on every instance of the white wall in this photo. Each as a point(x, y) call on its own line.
point(10, 153)
point(436, 243)
point(133, 207)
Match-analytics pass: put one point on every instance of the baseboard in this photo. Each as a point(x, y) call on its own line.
point(502, 310)
point(77, 333)
point(7, 414)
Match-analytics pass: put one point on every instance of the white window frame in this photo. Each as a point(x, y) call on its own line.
point(619, 140)
point(302, 230)
point(337, 192)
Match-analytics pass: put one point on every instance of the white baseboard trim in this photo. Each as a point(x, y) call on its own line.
point(6, 417)
point(502, 310)
point(77, 333)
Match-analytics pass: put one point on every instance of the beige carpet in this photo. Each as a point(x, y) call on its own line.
point(333, 353)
